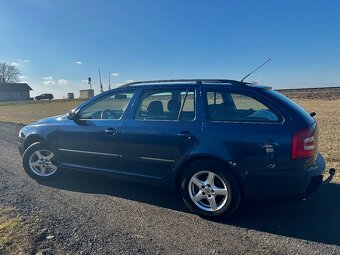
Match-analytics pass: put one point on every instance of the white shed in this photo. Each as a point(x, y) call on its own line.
point(86, 93)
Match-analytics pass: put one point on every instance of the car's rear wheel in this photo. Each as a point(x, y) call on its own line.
point(209, 189)
point(40, 162)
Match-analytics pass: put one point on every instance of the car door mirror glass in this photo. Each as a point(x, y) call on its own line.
point(72, 115)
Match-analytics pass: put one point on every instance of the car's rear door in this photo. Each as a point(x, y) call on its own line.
point(91, 141)
point(246, 128)
point(162, 127)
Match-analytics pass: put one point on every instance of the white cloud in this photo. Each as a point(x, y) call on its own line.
point(47, 78)
point(63, 82)
point(14, 64)
point(115, 74)
point(23, 78)
point(121, 83)
point(49, 82)
point(78, 62)
point(24, 60)
point(257, 81)
point(84, 81)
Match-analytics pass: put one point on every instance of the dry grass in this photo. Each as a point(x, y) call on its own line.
point(30, 111)
point(14, 233)
point(328, 117)
point(24, 235)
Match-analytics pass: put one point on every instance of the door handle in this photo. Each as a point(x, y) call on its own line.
point(185, 135)
point(111, 131)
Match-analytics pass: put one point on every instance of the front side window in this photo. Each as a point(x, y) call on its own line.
point(111, 106)
point(225, 106)
point(168, 104)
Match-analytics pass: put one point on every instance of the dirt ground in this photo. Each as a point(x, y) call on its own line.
point(86, 214)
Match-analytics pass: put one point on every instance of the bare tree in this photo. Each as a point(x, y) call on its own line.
point(9, 73)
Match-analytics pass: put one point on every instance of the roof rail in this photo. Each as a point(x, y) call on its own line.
point(198, 81)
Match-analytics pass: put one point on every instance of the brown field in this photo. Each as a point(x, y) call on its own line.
point(28, 111)
point(328, 117)
point(325, 102)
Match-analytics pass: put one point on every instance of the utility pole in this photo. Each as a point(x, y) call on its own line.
point(89, 82)
point(109, 80)
point(100, 82)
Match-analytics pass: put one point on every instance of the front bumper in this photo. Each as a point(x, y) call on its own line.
point(286, 184)
point(20, 144)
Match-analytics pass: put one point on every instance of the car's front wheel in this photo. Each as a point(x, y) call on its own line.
point(209, 189)
point(40, 162)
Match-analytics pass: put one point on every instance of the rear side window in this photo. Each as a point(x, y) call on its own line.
point(290, 105)
point(169, 104)
point(226, 106)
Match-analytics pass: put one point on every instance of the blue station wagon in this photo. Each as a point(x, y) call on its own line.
point(215, 141)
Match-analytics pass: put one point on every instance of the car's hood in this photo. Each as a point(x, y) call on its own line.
point(49, 120)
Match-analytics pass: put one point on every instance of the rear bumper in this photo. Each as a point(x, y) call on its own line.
point(285, 184)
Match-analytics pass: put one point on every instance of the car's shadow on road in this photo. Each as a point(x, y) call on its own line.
point(316, 219)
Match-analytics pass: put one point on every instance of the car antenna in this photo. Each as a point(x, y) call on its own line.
point(255, 70)
point(100, 82)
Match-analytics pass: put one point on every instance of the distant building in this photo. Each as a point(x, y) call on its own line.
point(14, 91)
point(70, 95)
point(86, 93)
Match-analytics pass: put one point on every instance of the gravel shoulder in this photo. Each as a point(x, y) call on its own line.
point(89, 214)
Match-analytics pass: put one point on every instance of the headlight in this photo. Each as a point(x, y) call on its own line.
point(21, 134)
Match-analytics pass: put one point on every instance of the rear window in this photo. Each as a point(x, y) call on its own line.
point(226, 106)
point(291, 105)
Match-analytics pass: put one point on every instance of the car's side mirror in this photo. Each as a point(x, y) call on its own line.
point(72, 115)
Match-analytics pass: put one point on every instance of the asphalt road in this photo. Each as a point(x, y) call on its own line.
point(92, 214)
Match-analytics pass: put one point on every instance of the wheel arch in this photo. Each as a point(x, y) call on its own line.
point(32, 139)
point(180, 169)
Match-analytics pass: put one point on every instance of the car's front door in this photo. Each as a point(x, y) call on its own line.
point(161, 128)
point(91, 140)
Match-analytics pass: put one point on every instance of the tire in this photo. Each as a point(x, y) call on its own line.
point(40, 163)
point(224, 189)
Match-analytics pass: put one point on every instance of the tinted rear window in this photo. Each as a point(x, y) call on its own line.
point(290, 105)
point(223, 105)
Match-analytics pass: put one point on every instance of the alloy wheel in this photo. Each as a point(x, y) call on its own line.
point(42, 163)
point(208, 191)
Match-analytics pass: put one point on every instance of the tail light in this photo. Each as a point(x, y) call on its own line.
point(305, 143)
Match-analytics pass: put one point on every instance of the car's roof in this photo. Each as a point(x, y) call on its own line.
point(181, 82)
point(192, 82)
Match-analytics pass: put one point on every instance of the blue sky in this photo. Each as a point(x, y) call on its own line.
point(158, 39)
